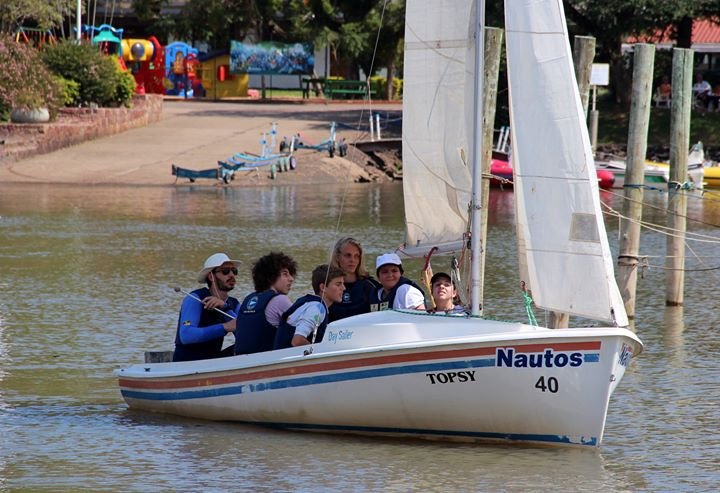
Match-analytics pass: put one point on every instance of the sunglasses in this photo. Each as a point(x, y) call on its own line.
point(226, 271)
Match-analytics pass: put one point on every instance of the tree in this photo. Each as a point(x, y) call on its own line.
point(611, 21)
point(42, 14)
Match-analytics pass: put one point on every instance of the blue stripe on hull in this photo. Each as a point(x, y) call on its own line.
point(316, 380)
point(305, 381)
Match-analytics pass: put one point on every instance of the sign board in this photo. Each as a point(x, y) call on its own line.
point(271, 58)
point(600, 75)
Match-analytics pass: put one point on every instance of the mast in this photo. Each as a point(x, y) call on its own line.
point(476, 247)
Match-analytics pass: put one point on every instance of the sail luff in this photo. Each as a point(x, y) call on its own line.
point(437, 74)
point(564, 252)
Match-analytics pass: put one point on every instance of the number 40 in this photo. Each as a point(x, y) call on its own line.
point(547, 385)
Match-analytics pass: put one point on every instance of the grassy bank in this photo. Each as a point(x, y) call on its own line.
point(613, 126)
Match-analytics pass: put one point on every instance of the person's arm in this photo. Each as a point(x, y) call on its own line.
point(276, 307)
point(306, 320)
point(190, 332)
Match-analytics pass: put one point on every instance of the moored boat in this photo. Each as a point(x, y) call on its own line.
point(711, 176)
point(658, 174)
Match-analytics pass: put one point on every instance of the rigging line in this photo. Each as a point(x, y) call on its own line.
point(661, 209)
point(94, 17)
point(353, 149)
point(659, 228)
point(112, 12)
point(662, 267)
point(700, 259)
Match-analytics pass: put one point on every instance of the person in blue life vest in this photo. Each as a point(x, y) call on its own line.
point(397, 292)
point(201, 327)
point(260, 311)
point(306, 320)
point(444, 295)
point(359, 285)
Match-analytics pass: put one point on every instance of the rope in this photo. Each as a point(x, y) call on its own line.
point(527, 299)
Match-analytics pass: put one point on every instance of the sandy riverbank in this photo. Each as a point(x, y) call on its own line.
point(195, 135)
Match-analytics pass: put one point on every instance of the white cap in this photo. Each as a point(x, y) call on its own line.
point(213, 261)
point(387, 258)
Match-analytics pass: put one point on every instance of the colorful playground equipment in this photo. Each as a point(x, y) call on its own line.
point(146, 60)
point(35, 37)
point(181, 63)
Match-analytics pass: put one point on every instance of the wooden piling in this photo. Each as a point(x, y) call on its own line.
point(682, 68)
point(583, 56)
point(641, 101)
point(493, 49)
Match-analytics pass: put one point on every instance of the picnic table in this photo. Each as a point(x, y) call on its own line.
point(347, 89)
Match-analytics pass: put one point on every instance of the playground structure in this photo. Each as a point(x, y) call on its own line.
point(145, 58)
point(35, 37)
point(181, 67)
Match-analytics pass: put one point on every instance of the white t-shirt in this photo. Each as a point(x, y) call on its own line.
point(307, 318)
point(407, 297)
point(702, 87)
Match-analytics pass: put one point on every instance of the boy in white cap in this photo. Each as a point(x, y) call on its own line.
point(201, 325)
point(397, 292)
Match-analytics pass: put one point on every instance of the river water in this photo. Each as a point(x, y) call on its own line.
point(87, 275)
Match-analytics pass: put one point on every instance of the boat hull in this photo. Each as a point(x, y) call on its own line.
point(656, 175)
point(480, 381)
point(711, 175)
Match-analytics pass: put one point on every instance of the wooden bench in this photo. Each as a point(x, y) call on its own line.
point(347, 89)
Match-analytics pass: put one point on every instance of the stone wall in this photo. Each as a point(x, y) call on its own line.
point(76, 125)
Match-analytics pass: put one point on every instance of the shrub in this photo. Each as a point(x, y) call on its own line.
point(379, 84)
point(69, 90)
point(125, 88)
point(98, 76)
point(26, 82)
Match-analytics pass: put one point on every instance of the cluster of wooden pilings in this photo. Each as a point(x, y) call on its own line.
point(641, 103)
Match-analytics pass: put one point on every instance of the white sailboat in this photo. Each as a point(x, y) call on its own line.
point(400, 373)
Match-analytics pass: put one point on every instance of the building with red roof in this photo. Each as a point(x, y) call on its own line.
point(705, 43)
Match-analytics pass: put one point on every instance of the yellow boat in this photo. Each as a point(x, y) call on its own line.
point(711, 177)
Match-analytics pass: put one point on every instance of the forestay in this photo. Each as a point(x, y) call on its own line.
point(437, 113)
point(564, 253)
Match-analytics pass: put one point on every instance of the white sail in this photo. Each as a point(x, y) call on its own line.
point(564, 253)
point(437, 114)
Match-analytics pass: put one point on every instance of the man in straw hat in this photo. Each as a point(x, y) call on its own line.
point(208, 314)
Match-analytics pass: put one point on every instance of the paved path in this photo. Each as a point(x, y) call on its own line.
point(194, 134)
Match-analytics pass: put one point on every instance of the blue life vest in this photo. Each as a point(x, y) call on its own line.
point(254, 334)
point(207, 349)
point(386, 302)
point(356, 299)
point(285, 332)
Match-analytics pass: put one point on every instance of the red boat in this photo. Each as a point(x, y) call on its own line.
point(502, 175)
